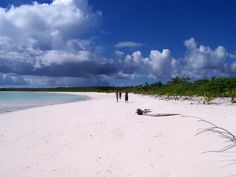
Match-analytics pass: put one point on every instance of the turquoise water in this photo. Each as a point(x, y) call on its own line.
point(11, 101)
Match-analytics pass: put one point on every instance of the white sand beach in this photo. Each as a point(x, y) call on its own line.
point(102, 138)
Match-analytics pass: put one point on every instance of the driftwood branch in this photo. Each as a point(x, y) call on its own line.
point(146, 112)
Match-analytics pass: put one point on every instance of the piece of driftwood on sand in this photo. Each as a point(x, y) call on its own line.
point(146, 112)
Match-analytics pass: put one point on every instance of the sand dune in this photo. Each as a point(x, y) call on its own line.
point(100, 137)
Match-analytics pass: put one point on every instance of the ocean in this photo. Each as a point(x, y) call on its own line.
point(12, 101)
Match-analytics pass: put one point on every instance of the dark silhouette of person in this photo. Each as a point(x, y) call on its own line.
point(126, 97)
point(117, 96)
point(120, 95)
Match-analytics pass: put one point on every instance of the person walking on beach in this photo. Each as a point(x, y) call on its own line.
point(126, 96)
point(120, 95)
point(117, 96)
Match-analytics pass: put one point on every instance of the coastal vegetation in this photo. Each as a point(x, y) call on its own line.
point(209, 89)
point(216, 87)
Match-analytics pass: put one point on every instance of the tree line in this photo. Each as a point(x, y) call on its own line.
point(215, 87)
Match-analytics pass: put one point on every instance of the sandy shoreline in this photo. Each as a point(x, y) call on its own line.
point(100, 137)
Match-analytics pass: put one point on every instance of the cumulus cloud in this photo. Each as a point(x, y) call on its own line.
point(199, 62)
point(128, 44)
point(203, 57)
point(203, 62)
point(51, 40)
point(157, 65)
point(190, 43)
point(46, 24)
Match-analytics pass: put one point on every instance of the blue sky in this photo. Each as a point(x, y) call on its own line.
point(85, 43)
point(167, 23)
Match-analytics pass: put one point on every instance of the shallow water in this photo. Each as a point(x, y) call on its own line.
point(11, 101)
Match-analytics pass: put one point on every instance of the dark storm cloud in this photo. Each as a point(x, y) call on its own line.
point(83, 69)
point(11, 80)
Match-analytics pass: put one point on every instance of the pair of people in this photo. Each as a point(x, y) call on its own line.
point(119, 96)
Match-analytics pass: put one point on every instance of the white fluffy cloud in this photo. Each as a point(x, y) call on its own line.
point(48, 24)
point(199, 62)
point(60, 57)
point(45, 34)
point(204, 62)
point(203, 57)
point(159, 64)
